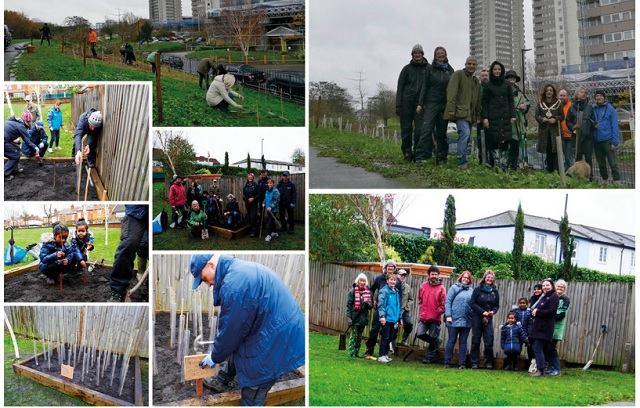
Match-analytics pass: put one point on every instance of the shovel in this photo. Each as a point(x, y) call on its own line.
point(602, 331)
point(412, 348)
point(342, 344)
point(278, 225)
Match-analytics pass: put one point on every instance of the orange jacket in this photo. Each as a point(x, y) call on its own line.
point(93, 37)
point(566, 133)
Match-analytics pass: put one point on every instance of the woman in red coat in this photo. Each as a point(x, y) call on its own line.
point(544, 318)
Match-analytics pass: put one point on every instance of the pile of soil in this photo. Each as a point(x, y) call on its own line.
point(55, 181)
point(32, 287)
point(166, 382)
point(90, 378)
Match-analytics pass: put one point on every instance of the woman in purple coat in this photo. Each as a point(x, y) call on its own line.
point(544, 318)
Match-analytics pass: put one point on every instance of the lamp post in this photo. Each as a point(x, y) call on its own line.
point(524, 84)
point(261, 152)
point(633, 118)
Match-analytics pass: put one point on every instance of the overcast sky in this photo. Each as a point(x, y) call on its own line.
point(376, 37)
point(611, 209)
point(279, 143)
point(35, 207)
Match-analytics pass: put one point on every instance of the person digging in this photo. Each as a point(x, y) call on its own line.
point(261, 333)
point(89, 123)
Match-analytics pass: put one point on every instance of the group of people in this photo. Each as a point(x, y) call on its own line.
point(261, 197)
point(537, 323)
point(429, 95)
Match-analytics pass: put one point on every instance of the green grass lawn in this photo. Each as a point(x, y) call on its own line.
point(20, 391)
point(26, 236)
point(336, 379)
point(183, 101)
point(179, 239)
point(385, 158)
point(66, 138)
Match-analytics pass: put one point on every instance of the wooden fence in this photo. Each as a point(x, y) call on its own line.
point(235, 185)
point(592, 305)
point(172, 279)
point(123, 146)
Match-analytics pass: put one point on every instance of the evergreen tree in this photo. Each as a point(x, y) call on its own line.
point(448, 232)
point(248, 163)
point(518, 244)
point(225, 167)
point(264, 163)
point(567, 243)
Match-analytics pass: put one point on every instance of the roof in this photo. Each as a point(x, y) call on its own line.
point(244, 161)
point(282, 32)
point(507, 219)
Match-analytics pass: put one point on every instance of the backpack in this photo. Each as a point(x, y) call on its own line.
point(164, 220)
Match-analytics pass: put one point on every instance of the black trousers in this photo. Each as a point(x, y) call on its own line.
point(131, 236)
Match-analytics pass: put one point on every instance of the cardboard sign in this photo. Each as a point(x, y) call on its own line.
point(67, 371)
point(192, 370)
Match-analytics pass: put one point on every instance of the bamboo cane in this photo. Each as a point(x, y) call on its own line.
point(35, 351)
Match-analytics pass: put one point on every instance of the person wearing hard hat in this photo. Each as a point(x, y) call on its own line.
point(261, 330)
point(89, 123)
point(14, 130)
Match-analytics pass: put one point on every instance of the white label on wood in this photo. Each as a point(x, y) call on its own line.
point(192, 370)
point(67, 371)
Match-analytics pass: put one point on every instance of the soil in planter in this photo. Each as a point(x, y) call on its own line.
point(166, 383)
point(37, 183)
point(90, 378)
point(32, 287)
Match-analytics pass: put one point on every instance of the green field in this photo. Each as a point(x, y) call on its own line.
point(237, 57)
point(26, 236)
point(336, 379)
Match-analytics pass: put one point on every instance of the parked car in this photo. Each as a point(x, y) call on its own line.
point(290, 83)
point(173, 61)
point(7, 36)
point(247, 74)
point(172, 38)
point(200, 40)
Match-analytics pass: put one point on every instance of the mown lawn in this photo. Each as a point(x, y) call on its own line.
point(26, 236)
point(66, 138)
point(336, 379)
point(385, 158)
point(180, 239)
point(183, 102)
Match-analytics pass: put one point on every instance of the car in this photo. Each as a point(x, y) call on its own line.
point(200, 40)
point(173, 61)
point(7, 36)
point(163, 39)
point(172, 38)
point(247, 74)
point(291, 84)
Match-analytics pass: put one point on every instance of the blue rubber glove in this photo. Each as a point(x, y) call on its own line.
point(41, 145)
point(207, 362)
point(292, 205)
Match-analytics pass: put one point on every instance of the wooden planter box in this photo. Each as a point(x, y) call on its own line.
point(280, 393)
point(228, 233)
point(77, 390)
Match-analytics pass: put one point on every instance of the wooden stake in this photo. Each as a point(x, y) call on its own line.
point(199, 387)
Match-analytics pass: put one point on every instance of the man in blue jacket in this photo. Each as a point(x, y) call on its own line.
point(607, 136)
point(261, 327)
point(288, 197)
point(39, 138)
point(89, 123)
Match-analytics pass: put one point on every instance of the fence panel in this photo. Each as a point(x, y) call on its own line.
point(123, 146)
point(592, 305)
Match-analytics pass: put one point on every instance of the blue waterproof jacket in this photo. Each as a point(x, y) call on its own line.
point(140, 212)
point(79, 245)
point(36, 137)
point(48, 257)
point(14, 129)
point(260, 322)
point(607, 120)
point(524, 318)
point(82, 128)
point(389, 304)
point(457, 305)
point(54, 118)
point(512, 337)
point(272, 199)
point(288, 194)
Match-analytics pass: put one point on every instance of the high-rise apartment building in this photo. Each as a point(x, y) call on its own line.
point(572, 36)
point(496, 32)
point(199, 8)
point(163, 11)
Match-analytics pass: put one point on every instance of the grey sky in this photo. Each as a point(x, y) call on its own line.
point(376, 37)
point(612, 210)
point(55, 11)
point(279, 143)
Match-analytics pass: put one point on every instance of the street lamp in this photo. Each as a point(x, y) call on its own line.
point(261, 152)
point(632, 119)
point(524, 84)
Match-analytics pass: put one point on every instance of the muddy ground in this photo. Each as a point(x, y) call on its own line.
point(166, 383)
point(53, 181)
point(32, 287)
point(91, 377)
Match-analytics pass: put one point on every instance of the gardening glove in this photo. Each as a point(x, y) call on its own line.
point(37, 154)
point(207, 362)
point(292, 205)
point(41, 145)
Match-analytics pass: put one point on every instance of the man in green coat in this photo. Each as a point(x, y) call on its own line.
point(463, 105)
point(205, 65)
point(519, 127)
point(151, 59)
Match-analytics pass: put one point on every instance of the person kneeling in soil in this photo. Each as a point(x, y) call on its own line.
point(271, 204)
point(220, 95)
point(197, 222)
point(14, 130)
point(89, 123)
point(56, 255)
point(261, 330)
point(81, 244)
point(232, 212)
point(39, 138)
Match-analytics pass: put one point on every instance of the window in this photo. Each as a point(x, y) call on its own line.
point(540, 243)
point(633, 259)
point(574, 254)
point(603, 255)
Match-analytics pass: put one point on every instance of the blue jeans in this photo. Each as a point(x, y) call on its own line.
point(481, 332)
point(464, 132)
point(55, 137)
point(463, 334)
point(553, 356)
point(232, 218)
point(224, 105)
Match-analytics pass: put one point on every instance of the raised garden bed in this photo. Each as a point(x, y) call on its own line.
point(55, 180)
point(229, 233)
point(29, 285)
point(87, 390)
point(167, 389)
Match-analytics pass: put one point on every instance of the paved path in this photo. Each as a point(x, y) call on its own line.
point(326, 172)
point(9, 55)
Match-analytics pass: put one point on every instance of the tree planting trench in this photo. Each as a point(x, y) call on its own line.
point(105, 385)
point(166, 381)
point(31, 286)
point(53, 181)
